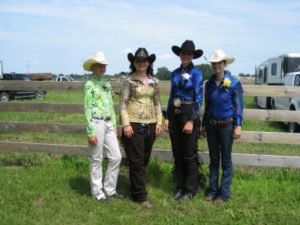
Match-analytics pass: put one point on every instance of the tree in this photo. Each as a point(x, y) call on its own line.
point(163, 73)
point(206, 70)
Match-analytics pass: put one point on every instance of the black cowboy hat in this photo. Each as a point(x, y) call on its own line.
point(188, 46)
point(141, 53)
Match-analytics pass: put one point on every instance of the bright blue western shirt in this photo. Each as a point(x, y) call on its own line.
point(221, 102)
point(188, 86)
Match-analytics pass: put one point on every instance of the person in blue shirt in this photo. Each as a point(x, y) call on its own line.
point(182, 119)
point(222, 123)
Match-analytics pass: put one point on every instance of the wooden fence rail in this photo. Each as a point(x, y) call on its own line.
point(249, 90)
point(247, 136)
point(249, 114)
point(164, 155)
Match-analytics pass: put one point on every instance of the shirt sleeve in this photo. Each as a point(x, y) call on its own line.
point(88, 105)
point(157, 103)
point(125, 95)
point(204, 120)
point(238, 104)
point(198, 94)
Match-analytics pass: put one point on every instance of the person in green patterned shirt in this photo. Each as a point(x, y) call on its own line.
point(101, 127)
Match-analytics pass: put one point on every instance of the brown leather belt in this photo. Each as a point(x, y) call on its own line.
point(213, 122)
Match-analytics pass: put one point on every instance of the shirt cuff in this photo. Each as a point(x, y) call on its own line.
point(237, 121)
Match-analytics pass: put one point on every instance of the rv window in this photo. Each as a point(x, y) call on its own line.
point(293, 65)
point(274, 69)
point(297, 80)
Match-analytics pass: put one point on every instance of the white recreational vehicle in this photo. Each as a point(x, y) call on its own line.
point(1, 70)
point(272, 71)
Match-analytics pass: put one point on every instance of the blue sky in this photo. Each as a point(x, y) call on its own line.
point(56, 36)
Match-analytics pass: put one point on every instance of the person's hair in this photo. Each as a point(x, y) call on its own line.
point(149, 69)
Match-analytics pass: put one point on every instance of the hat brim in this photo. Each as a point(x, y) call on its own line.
point(87, 65)
point(196, 54)
point(151, 58)
point(227, 59)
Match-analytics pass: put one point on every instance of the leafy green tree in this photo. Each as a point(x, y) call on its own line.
point(163, 73)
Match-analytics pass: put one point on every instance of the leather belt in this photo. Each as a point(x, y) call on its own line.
point(105, 118)
point(226, 122)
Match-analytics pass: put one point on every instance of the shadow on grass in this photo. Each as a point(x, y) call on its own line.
point(80, 184)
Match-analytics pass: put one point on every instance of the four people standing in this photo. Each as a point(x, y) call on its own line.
point(141, 119)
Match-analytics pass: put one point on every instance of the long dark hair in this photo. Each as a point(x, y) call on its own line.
point(149, 69)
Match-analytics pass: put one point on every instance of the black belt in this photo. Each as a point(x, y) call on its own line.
point(226, 122)
point(105, 118)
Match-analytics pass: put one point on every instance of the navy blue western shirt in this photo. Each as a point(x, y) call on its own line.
point(224, 101)
point(187, 85)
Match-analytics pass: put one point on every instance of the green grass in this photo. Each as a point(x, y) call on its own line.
point(56, 191)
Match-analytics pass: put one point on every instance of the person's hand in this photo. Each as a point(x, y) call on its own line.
point(166, 125)
point(237, 131)
point(157, 130)
point(188, 127)
point(128, 131)
point(93, 140)
point(117, 131)
point(203, 132)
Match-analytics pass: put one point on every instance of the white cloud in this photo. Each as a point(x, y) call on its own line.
point(165, 56)
point(126, 50)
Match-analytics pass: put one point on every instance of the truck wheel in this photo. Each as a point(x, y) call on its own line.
point(4, 97)
point(269, 104)
point(273, 104)
point(40, 95)
point(292, 126)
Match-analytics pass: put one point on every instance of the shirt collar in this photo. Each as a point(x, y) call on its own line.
point(226, 75)
point(94, 77)
point(187, 69)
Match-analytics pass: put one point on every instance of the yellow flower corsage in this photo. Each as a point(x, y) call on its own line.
point(226, 83)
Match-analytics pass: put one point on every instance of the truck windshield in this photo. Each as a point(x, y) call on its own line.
point(292, 64)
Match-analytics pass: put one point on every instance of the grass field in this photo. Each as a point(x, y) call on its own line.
point(54, 189)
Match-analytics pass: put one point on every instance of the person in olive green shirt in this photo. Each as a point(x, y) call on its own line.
point(101, 130)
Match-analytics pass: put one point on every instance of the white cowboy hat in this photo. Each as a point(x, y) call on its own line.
point(219, 56)
point(98, 57)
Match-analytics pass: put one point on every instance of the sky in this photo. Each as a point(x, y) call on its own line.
point(57, 36)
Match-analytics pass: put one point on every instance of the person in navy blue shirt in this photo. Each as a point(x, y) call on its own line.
point(222, 123)
point(182, 120)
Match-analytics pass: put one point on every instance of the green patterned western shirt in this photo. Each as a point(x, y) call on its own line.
point(98, 102)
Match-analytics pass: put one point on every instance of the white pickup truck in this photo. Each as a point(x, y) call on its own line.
point(289, 103)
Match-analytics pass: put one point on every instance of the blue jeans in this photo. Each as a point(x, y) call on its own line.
point(220, 141)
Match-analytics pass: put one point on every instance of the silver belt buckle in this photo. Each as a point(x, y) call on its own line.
point(177, 102)
point(177, 111)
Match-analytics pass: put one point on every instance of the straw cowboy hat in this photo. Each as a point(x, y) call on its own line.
point(98, 57)
point(219, 56)
point(142, 54)
point(188, 46)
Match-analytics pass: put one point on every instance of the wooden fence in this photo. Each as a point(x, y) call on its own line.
point(240, 159)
